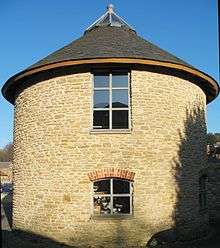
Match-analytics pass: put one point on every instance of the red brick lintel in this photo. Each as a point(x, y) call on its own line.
point(111, 172)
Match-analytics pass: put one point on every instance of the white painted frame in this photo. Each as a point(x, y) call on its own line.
point(112, 195)
point(110, 109)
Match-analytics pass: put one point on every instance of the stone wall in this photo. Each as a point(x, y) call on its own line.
point(213, 174)
point(55, 151)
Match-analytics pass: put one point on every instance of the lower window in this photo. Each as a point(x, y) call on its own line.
point(112, 197)
point(203, 192)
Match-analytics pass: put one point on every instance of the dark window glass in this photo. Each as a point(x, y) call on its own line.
point(100, 119)
point(202, 200)
point(202, 191)
point(101, 99)
point(121, 205)
point(121, 187)
point(102, 205)
point(119, 98)
point(102, 187)
point(119, 80)
point(205, 200)
point(202, 183)
point(101, 81)
point(119, 119)
point(112, 196)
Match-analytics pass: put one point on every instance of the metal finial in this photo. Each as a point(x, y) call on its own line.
point(110, 18)
point(110, 8)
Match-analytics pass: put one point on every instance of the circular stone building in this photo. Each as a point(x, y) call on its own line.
point(110, 142)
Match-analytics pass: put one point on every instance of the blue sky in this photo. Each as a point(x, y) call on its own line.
point(32, 29)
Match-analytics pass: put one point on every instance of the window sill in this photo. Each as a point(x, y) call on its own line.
point(112, 217)
point(116, 131)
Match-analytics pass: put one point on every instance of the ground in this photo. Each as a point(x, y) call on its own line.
point(24, 240)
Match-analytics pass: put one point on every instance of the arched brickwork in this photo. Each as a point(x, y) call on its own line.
point(111, 172)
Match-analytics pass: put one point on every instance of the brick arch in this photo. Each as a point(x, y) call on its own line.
point(111, 172)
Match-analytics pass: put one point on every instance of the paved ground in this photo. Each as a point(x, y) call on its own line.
point(25, 240)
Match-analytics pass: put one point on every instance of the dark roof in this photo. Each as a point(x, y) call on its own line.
point(109, 37)
point(102, 42)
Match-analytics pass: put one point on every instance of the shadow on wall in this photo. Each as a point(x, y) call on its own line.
point(21, 239)
point(189, 222)
point(213, 174)
point(7, 205)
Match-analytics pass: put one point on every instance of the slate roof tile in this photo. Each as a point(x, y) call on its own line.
point(103, 42)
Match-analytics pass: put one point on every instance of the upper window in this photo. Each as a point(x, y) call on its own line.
point(112, 197)
point(203, 192)
point(111, 101)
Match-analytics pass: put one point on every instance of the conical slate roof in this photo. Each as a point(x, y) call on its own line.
point(110, 36)
point(110, 40)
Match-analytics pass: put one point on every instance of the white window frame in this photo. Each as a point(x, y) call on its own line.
point(112, 195)
point(110, 109)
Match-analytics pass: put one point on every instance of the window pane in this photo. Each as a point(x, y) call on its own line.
point(119, 80)
point(200, 201)
point(202, 183)
point(101, 81)
point(119, 98)
point(101, 205)
point(101, 119)
point(120, 119)
point(102, 187)
point(121, 187)
point(101, 99)
point(205, 200)
point(121, 205)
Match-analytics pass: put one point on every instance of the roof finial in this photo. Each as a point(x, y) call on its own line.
point(110, 19)
point(110, 8)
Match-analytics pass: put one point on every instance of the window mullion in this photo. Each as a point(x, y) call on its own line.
point(119, 88)
point(121, 195)
point(98, 109)
point(101, 88)
point(121, 108)
point(102, 195)
point(110, 101)
point(111, 192)
point(129, 100)
point(93, 92)
point(131, 196)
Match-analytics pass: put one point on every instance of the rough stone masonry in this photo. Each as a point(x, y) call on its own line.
point(55, 151)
